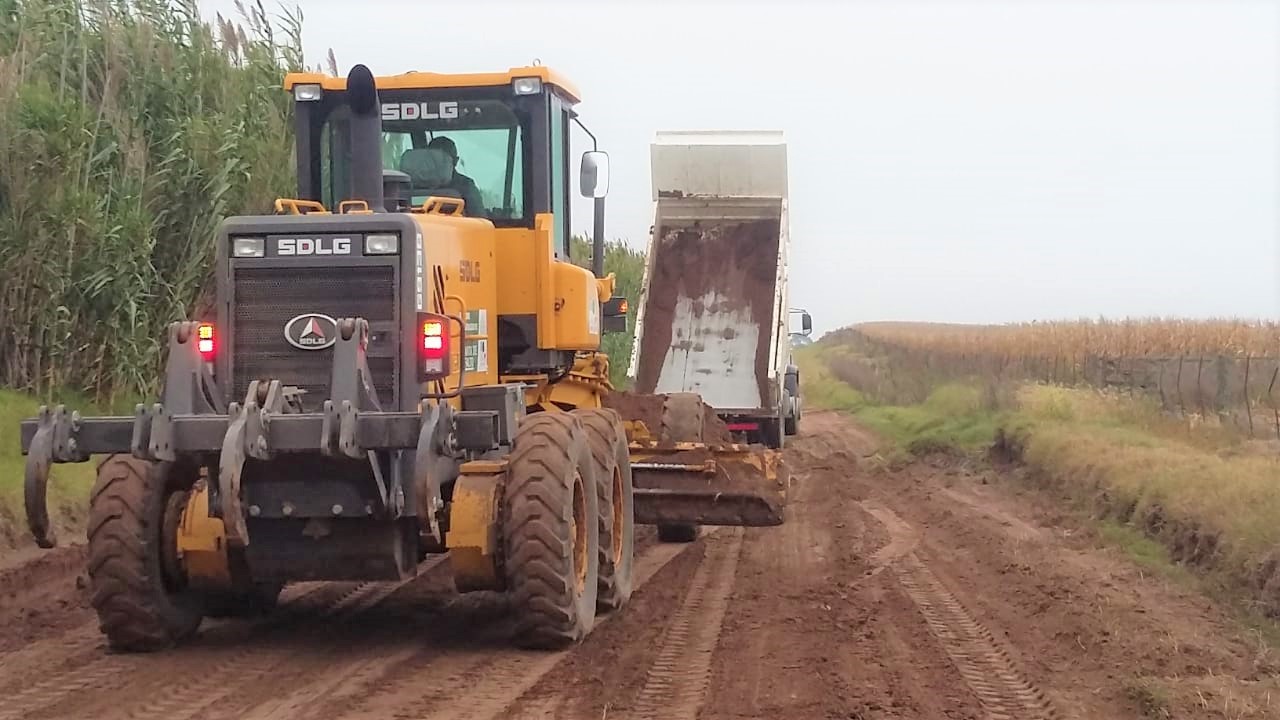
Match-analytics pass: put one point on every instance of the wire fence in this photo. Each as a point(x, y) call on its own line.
point(1235, 392)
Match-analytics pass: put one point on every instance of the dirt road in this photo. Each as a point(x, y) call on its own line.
point(934, 592)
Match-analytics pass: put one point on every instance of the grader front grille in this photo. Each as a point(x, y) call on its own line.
point(265, 299)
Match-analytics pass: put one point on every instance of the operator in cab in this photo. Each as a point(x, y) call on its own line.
point(473, 205)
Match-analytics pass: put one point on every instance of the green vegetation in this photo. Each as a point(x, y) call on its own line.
point(627, 264)
point(951, 418)
point(128, 130)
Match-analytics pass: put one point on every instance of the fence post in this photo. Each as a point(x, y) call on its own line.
point(1220, 394)
point(1271, 398)
point(1248, 400)
point(1200, 388)
point(1182, 405)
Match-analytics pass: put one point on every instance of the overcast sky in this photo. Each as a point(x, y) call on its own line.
point(949, 161)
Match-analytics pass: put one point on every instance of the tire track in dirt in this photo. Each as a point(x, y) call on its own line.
point(247, 668)
point(100, 684)
point(985, 666)
point(484, 670)
point(83, 649)
point(678, 679)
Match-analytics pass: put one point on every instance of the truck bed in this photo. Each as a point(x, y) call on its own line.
point(707, 321)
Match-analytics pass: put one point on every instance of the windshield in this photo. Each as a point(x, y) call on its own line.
point(471, 149)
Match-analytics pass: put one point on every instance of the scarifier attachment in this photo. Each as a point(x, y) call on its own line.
point(700, 484)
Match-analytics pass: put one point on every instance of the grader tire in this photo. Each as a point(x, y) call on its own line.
point(551, 532)
point(612, 465)
point(681, 422)
point(132, 515)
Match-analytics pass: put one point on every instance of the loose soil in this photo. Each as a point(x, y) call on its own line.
point(647, 408)
point(736, 261)
point(940, 591)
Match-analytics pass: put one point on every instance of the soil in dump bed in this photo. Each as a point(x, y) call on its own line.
point(736, 260)
point(648, 410)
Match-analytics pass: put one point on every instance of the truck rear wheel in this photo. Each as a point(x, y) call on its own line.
point(551, 532)
point(682, 418)
point(139, 592)
point(681, 422)
point(612, 466)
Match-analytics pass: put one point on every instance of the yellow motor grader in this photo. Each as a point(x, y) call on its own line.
point(402, 360)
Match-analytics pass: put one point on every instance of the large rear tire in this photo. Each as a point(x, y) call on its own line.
point(612, 466)
point(142, 601)
point(551, 532)
point(681, 422)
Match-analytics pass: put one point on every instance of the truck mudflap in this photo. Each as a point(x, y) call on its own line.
point(191, 423)
point(692, 483)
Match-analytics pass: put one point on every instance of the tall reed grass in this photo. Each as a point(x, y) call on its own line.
point(128, 130)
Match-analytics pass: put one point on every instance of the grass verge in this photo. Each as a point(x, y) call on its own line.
point(953, 418)
point(1212, 508)
point(1178, 500)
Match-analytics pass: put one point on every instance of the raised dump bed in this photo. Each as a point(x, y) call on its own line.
point(713, 312)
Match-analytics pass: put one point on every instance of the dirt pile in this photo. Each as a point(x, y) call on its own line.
point(737, 261)
point(648, 409)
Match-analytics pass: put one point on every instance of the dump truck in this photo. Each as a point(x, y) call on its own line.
point(402, 360)
point(714, 318)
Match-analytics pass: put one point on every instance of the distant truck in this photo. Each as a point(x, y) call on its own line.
point(713, 316)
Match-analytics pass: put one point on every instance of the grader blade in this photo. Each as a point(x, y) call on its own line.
point(692, 483)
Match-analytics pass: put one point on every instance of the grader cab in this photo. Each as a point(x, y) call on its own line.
point(403, 360)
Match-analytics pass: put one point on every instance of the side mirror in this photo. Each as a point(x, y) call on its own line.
point(594, 180)
point(806, 323)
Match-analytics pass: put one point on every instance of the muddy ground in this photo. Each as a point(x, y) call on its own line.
point(935, 592)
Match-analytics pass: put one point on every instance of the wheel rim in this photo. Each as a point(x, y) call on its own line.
point(578, 530)
point(171, 571)
point(619, 518)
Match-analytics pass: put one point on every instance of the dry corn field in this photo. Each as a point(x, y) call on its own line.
point(1155, 338)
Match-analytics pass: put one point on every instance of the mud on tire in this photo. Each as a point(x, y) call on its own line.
point(612, 466)
point(551, 532)
point(140, 606)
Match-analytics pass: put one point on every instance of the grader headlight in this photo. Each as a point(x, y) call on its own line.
point(527, 86)
point(309, 92)
point(382, 244)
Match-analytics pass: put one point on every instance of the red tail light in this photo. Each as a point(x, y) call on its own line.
point(434, 346)
point(205, 341)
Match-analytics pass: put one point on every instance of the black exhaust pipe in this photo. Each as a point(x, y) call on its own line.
point(366, 138)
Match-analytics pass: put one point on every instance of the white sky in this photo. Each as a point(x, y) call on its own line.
point(949, 161)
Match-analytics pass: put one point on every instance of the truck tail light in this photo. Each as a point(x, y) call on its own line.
point(205, 341)
point(433, 346)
